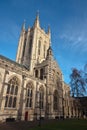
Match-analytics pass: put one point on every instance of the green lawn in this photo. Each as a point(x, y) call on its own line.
point(63, 125)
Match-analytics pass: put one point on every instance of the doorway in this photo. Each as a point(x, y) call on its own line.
point(26, 116)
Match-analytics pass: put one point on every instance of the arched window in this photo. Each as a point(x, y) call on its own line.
point(24, 46)
point(29, 95)
point(39, 47)
point(44, 50)
point(14, 101)
point(30, 46)
point(8, 89)
point(55, 100)
point(36, 73)
point(41, 74)
point(41, 98)
point(11, 94)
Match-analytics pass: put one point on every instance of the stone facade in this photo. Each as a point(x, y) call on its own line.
point(33, 86)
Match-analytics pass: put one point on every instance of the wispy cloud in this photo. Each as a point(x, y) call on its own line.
point(9, 31)
point(75, 37)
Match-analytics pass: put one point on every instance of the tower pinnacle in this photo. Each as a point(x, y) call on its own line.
point(37, 23)
point(49, 33)
point(23, 26)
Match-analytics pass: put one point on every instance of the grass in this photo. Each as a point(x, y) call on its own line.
point(63, 125)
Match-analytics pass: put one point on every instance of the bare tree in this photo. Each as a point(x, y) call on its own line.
point(78, 83)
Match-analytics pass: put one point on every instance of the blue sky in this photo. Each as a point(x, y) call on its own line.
point(68, 23)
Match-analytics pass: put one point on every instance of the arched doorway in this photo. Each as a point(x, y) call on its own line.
point(26, 116)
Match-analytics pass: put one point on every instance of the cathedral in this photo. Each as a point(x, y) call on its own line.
point(32, 87)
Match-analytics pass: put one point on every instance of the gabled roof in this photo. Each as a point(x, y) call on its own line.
point(11, 61)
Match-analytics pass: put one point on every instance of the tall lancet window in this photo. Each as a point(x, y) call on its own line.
point(29, 95)
point(44, 50)
point(39, 47)
point(36, 73)
point(30, 46)
point(41, 98)
point(11, 94)
point(41, 73)
point(55, 100)
point(24, 46)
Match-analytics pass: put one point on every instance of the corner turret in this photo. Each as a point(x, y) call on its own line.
point(49, 53)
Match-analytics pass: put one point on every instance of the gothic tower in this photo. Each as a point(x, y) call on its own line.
point(33, 45)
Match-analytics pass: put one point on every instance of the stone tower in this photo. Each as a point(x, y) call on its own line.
point(33, 45)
